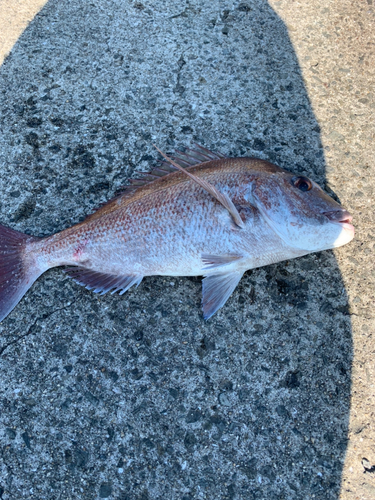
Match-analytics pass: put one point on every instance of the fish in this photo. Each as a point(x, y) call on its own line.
point(199, 213)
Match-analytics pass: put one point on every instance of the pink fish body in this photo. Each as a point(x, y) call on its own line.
point(230, 215)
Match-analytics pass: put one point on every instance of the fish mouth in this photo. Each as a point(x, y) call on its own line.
point(342, 217)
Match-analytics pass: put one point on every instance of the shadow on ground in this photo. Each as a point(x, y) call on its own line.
point(137, 397)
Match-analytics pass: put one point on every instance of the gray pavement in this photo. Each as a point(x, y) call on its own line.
point(137, 397)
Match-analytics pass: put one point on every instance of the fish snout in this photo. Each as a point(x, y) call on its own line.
point(339, 216)
point(343, 218)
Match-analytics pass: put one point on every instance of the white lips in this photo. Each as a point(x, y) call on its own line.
point(346, 234)
point(347, 226)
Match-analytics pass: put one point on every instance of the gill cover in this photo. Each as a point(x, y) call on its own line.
point(295, 208)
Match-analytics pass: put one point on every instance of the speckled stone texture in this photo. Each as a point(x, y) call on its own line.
point(137, 397)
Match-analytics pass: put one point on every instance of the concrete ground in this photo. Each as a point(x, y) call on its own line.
point(137, 397)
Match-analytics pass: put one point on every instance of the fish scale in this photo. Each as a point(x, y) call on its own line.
point(217, 218)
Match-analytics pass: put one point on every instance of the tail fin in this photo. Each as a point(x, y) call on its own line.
point(17, 272)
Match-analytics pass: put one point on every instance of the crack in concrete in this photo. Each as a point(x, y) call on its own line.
point(32, 328)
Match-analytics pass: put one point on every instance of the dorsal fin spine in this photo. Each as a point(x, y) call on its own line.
point(188, 160)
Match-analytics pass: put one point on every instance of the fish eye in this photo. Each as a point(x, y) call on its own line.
point(302, 183)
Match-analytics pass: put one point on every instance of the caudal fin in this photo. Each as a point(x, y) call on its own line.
point(17, 271)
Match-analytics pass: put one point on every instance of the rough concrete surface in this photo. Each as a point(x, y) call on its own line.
point(137, 397)
point(15, 15)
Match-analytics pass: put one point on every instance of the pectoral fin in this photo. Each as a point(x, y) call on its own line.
point(222, 198)
point(217, 288)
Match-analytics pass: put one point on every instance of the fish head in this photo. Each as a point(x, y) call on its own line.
point(300, 212)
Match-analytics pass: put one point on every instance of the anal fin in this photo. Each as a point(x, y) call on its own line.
point(101, 282)
point(217, 288)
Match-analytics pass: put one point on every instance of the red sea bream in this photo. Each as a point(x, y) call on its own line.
point(215, 216)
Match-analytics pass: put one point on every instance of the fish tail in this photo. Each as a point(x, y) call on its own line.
point(18, 268)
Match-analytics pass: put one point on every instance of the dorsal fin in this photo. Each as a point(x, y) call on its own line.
point(188, 158)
